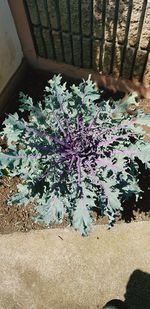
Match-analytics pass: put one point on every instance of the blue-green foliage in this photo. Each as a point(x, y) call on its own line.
point(76, 152)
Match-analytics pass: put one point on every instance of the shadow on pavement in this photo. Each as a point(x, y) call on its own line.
point(137, 294)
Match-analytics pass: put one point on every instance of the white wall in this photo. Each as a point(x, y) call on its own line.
point(10, 48)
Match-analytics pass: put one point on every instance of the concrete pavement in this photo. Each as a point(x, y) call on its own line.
point(59, 269)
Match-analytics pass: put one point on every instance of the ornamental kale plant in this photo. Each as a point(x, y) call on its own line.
point(75, 153)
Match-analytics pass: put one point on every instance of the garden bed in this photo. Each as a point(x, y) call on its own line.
point(19, 218)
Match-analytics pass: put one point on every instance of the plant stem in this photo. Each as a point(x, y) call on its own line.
point(79, 170)
point(120, 126)
point(93, 120)
point(72, 160)
point(39, 133)
point(59, 123)
point(62, 109)
point(78, 125)
point(113, 139)
point(43, 134)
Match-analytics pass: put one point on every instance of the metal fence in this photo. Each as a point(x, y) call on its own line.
point(110, 36)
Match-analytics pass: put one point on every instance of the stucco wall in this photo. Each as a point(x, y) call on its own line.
point(10, 48)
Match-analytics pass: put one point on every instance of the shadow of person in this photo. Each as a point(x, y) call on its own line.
point(137, 294)
point(115, 304)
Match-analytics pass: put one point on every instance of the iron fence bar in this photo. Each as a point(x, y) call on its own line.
point(91, 42)
point(30, 24)
point(140, 26)
point(80, 25)
point(50, 29)
point(71, 37)
point(102, 41)
point(117, 3)
point(130, 5)
point(145, 63)
point(40, 29)
point(59, 27)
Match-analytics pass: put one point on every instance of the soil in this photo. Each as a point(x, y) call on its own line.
point(19, 218)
